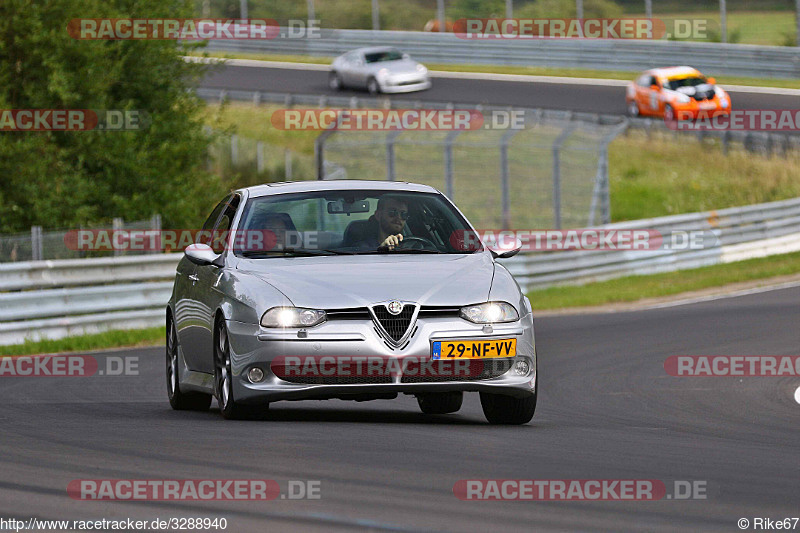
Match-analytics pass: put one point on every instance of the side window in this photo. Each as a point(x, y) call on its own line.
point(643, 81)
point(230, 206)
point(205, 237)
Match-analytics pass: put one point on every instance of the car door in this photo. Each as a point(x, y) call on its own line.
point(208, 297)
point(646, 97)
point(353, 64)
point(189, 315)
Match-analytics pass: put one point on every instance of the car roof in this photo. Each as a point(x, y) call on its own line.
point(672, 73)
point(335, 185)
point(373, 49)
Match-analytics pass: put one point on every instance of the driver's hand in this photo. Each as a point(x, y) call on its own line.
point(391, 241)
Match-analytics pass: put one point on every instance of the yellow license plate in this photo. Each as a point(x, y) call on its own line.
point(488, 349)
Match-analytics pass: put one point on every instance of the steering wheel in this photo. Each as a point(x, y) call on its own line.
point(416, 243)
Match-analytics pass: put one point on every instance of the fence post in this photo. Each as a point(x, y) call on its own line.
point(234, 150)
point(319, 152)
point(448, 163)
point(376, 17)
point(390, 138)
point(116, 226)
point(287, 158)
point(557, 171)
point(155, 225)
point(260, 157)
point(504, 179)
point(36, 244)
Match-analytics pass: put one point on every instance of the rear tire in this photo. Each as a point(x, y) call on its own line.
point(335, 81)
point(503, 409)
point(440, 403)
point(223, 381)
point(180, 401)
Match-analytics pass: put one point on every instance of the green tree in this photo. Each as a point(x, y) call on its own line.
point(62, 179)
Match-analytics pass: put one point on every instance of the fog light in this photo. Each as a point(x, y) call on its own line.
point(522, 368)
point(255, 375)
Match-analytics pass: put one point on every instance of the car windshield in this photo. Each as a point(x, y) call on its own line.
point(352, 222)
point(685, 82)
point(386, 55)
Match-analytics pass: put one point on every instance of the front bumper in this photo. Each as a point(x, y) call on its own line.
point(252, 345)
point(404, 84)
point(695, 109)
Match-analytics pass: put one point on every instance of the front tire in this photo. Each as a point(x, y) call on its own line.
point(223, 380)
point(373, 87)
point(440, 403)
point(180, 401)
point(669, 114)
point(633, 109)
point(508, 410)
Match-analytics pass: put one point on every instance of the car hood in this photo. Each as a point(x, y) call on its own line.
point(357, 281)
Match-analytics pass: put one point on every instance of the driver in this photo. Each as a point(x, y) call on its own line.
point(386, 224)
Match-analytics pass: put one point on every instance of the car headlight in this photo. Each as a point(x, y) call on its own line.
point(382, 73)
point(489, 313)
point(682, 99)
point(292, 317)
point(421, 69)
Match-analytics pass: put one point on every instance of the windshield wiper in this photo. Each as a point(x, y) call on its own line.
point(416, 251)
point(293, 252)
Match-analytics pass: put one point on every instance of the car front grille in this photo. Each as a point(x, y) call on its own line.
point(394, 325)
point(477, 369)
point(706, 95)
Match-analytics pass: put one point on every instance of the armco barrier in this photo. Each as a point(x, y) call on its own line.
point(606, 54)
point(62, 298)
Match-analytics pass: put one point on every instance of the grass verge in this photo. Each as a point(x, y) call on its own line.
point(98, 341)
point(633, 288)
point(523, 70)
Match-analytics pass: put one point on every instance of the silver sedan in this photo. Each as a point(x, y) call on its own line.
point(347, 289)
point(378, 70)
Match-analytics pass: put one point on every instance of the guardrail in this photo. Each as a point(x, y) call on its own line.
point(607, 54)
point(56, 299)
point(741, 233)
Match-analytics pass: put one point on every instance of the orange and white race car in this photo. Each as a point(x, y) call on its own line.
point(680, 93)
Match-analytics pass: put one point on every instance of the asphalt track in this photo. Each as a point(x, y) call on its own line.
point(607, 410)
point(592, 97)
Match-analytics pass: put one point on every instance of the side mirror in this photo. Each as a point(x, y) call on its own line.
point(712, 81)
point(201, 254)
point(504, 247)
